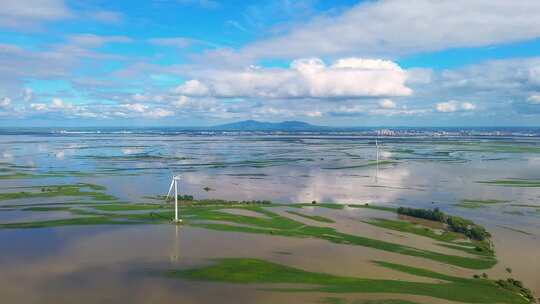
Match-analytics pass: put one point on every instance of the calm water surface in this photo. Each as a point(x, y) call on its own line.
point(101, 264)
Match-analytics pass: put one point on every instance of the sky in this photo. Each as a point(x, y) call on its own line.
point(207, 62)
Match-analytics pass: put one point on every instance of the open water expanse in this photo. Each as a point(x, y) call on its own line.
point(491, 180)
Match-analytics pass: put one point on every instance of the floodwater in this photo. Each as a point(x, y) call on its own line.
point(112, 264)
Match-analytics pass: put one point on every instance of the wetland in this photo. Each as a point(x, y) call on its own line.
point(268, 217)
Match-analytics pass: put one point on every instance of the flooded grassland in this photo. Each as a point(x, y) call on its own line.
point(266, 219)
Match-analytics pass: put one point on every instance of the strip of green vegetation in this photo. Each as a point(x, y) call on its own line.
point(368, 164)
point(470, 205)
point(253, 271)
point(515, 230)
point(525, 205)
point(60, 190)
point(331, 206)
point(93, 219)
point(374, 207)
point(474, 204)
point(510, 148)
point(474, 247)
point(16, 175)
point(513, 182)
point(76, 203)
point(334, 300)
point(130, 207)
point(312, 217)
point(26, 175)
point(404, 226)
point(514, 212)
point(47, 208)
point(313, 204)
point(190, 200)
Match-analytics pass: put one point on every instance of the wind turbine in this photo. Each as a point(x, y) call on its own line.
point(174, 183)
point(377, 163)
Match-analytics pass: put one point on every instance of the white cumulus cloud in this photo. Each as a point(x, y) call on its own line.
point(454, 106)
point(387, 104)
point(305, 78)
point(5, 102)
point(467, 106)
point(40, 107)
point(534, 99)
point(193, 88)
point(59, 104)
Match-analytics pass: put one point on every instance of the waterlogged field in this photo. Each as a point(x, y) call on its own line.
point(282, 218)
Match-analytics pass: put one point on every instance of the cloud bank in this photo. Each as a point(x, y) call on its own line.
point(305, 78)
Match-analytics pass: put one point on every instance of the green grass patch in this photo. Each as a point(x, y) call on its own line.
point(93, 219)
point(335, 300)
point(253, 271)
point(474, 247)
point(474, 204)
point(514, 212)
point(374, 207)
point(16, 175)
point(513, 182)
point(76, 203)
point(26, 175)
point(525, 205)
point(323, 205)
point(94, 192)
point(312, 217)
point(329, 205)
point(47, 208)
point(130, 207)
point(515, 230)
point(368, 164)
point(405, 226)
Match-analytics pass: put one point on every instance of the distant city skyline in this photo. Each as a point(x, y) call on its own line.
point(209, 62)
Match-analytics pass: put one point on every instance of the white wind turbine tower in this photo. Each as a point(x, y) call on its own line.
point(174, 184)
point(377, 163)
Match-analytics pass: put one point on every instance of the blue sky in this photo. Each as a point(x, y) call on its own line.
point(204, 62)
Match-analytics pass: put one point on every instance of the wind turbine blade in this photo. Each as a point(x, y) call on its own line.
point(170, 188)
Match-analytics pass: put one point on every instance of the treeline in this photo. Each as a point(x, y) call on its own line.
point(455, 223)
point(185, 197)
point(227, 202)
point(211, 201)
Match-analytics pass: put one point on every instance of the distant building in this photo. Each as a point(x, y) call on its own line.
point(386, 132)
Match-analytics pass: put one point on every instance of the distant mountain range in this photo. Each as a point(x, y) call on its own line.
point(254, 125)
